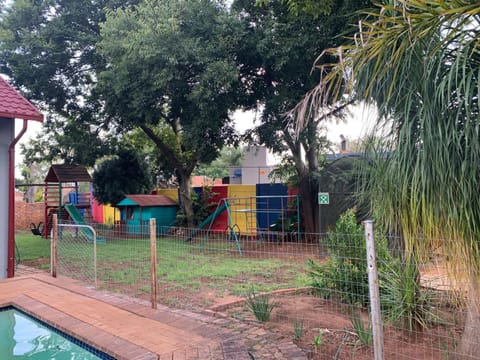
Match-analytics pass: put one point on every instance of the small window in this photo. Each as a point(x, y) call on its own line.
point(129, 213)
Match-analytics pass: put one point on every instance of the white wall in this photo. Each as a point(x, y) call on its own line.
point(6, 136)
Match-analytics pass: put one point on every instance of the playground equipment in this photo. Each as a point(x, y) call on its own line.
point(222, 205)
point(78, 219)
point(59, 178)
point(37, 229)
point(275, 217)
point(270, 217)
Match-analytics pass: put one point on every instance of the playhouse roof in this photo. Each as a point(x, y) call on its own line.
point(147, 200)
point(15, 106)
point(68, 173)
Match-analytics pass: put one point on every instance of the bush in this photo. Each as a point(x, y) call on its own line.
point(260, 305)
point(404, 303)
point(345, 275)
point(202, 207)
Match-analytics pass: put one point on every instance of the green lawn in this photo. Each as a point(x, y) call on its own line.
point(31, 248)
point(182, 268)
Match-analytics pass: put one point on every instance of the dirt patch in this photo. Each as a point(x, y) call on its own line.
point(40, 263)
point(330, 324)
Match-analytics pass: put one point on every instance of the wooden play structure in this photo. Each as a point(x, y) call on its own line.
point(258, 218)
point(62, 195)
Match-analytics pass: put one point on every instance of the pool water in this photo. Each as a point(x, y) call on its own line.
point(23, 337)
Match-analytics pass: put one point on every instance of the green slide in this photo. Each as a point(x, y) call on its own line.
point(208, 220)
point(79, 220)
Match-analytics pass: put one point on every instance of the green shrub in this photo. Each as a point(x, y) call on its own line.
point(365, 334)
point(404, 303)
point(298, 329)
point(260, 305)
point(202, 207)
point(344, 275)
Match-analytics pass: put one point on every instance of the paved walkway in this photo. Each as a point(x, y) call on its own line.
point(129, 329)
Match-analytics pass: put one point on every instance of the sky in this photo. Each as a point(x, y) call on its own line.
point(357, 124)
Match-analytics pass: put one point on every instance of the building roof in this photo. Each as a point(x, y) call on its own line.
point(68, 173)
point(15, 106)
point(147, 200)
point(200, 180)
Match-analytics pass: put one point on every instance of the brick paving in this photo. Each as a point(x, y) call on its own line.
point(129, 328)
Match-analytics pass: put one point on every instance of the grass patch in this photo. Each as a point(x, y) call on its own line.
point(31, 247)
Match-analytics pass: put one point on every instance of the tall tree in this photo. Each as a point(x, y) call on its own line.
point(172, 72)
point(48, 50)
point(419, 62)
point(126, 173)
point(285, 38)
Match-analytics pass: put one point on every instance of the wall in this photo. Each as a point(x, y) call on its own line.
point(170, 193)
point(27, 213)
point(6, 137)
point(110, 214)
point(254, 169)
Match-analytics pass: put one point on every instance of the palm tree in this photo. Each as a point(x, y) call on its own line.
point(419, 62)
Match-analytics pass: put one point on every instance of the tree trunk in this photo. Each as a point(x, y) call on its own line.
point(183, 172)
point(307, 190)
point(469, 347)
point(308, 205)
point(186, 198)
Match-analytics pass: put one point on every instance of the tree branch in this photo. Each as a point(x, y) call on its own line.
point(164, 148)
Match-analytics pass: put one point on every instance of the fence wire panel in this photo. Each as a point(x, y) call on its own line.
point(123, 260)
point(312, 288)
point(423, 300)
point(75, 251)
point(201, 269)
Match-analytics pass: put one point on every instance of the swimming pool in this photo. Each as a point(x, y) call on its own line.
point(23, 337)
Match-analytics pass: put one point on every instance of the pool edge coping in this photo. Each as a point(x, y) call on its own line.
point(101, 339)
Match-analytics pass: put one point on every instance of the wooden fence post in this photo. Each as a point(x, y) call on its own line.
point(53, 249)
point(375, 312)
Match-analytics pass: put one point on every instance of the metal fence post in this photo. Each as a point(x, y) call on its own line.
point(375, 312)
point(53, 249)
point(153, 261)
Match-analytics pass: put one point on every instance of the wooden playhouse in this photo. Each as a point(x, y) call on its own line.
point(137, 210)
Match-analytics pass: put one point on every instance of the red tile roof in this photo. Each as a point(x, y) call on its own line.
point(199, 180)
point(15, 106)
point(151, 200)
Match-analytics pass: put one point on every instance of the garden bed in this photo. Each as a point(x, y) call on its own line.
point(338, 339)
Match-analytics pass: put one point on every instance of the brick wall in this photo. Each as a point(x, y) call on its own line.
point(26, 213)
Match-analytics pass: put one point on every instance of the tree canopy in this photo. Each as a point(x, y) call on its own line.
point(419, 62)
point(219, 168)
point(285, 43)
point(48, 50)
point(126, 173)
point(172, 72)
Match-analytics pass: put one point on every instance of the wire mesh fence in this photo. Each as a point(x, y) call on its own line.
point(312, 288)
